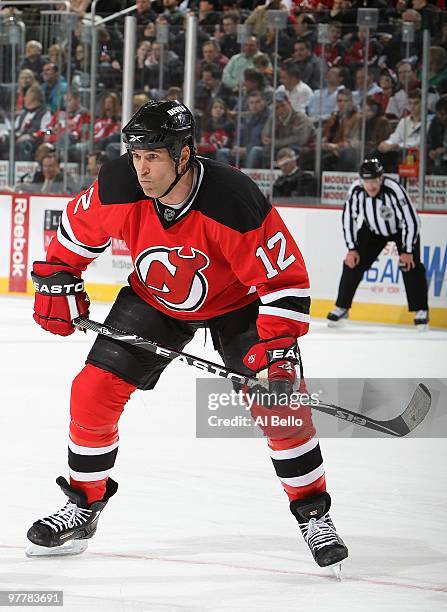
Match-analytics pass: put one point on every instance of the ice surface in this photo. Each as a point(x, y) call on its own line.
point(203, 525)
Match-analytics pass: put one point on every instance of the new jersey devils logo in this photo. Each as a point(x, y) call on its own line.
point(174, 276)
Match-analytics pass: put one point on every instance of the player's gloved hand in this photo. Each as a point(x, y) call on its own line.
point(280, 356)
point(60, 296)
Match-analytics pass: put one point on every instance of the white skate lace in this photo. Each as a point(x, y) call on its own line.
point(67, 517)
point(319, 533)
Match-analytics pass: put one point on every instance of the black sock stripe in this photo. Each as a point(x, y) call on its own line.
point(298, 466)
point(91, 463)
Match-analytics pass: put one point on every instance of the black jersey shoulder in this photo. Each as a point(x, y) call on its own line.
point(230, 197)
point(118, 184)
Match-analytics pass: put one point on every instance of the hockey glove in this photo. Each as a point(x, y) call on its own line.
point(60, 296)
point(280, 355)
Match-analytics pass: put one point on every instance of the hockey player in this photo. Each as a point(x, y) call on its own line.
point(378, 210)
point(208, 251)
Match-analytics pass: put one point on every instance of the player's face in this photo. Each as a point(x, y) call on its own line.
point(155, 170)
point(372, 186)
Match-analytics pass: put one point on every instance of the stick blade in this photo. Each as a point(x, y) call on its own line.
point(417, 408)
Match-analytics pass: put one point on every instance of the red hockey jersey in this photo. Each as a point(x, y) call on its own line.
point(226, 247)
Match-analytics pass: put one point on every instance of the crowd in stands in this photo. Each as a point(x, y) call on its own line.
point(235, 99)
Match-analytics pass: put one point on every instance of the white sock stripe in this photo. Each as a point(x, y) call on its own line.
point(90, 450)
point(89, 476)
point(306, 479)
point(284, 312)
point(276, 295)
point(297, 451)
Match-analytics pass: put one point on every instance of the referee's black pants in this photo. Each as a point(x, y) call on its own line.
point(369, 248)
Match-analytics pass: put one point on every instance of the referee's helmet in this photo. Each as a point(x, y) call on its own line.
point(371, 169)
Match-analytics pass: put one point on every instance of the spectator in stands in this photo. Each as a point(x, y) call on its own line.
point(343, 13)
point(396, 48)
point(298, 92)
point(293, 182)
point(249, 146)
point(57, 55)
point(218, 130)
point(437, 69)
point(228, 39)
point(341, 135)
point(209, 19)
point(71, 123)
point(53, 179)
point(5, 128)
point(257, 21)
point(142, 54)
point(310, 66)
point(234, 71)
point(267, 43)
point(262, 64)
point(430, 15)
point(306, 29)
point(407, 134)
point(388, 86)
point(253, 81)
point(355, 54)
point(81, 67)
point(335, 49)
point(25, 80)
point(54, 86)
point(173, 13)
point(408, 82)
point(292, 129)
point(211, 54)
point(173, 70)
point(94, 162)
point(144, 14)
point(211, 87)
point(441, 39)
point(106, 128)
point(31, 120)
point(334, 82)
point(377, 126)
point(372, 87)
point(437, 140)
point(34, 60)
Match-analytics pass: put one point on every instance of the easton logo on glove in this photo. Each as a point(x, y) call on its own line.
point(289, 354)
point(58, 284)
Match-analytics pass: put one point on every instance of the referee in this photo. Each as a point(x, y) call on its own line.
point(378, 210)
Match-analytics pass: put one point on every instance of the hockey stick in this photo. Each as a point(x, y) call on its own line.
point(411, 417)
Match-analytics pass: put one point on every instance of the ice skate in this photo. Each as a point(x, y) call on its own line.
point(66, 532)
point(421, 320)
point(336, 316)
point(318, 530)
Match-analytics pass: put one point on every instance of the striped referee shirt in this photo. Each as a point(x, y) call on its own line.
point(389, 213)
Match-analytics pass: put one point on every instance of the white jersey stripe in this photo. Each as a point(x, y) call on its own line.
point(306, 479)
point(90, 450)
point(89, 476)
point(283, 312)
point(277, 295)
point(297, 451)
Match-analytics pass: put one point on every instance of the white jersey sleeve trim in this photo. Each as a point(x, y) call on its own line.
point(283, 312)
point(282, 293)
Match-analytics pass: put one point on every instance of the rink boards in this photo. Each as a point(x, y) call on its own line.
point(28, 223)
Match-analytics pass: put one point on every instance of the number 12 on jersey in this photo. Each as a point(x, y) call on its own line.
point(282, 262)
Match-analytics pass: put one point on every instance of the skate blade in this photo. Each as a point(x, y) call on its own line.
point(423, 327)
point(339, 323)
point(336, 570)
point(74, 547)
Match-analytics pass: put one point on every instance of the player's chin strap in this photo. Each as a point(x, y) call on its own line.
point(178, 176)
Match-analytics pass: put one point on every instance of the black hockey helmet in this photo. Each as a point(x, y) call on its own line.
point(371, 169)
point(164, 124)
